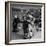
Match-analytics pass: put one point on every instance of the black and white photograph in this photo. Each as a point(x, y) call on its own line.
point(24, 22)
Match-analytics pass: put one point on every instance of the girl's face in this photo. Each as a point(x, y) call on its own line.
point(15, 16)
point(24, 18)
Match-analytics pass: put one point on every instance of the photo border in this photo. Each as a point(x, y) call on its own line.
point(8, 22)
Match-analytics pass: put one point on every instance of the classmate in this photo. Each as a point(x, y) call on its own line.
point(30, 26)
point(25, 27)
point(15, 22)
